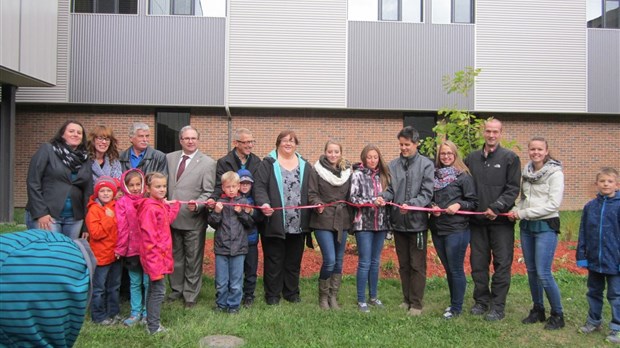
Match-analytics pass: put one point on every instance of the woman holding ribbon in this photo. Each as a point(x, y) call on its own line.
point(281, 180)
point(454, 191)
point(370, 223)
point(329, 183)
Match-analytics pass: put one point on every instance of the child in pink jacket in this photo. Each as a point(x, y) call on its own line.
point(155, 215)
point(128, 244)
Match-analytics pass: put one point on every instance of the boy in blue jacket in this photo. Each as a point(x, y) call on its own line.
point(250, 265)
point(598, 249)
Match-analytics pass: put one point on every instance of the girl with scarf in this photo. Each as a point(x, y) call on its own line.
point(542, 188)
point(370, 224)
point(329, 183)
point(103, 150)
point(59, 183)
point(454, 190)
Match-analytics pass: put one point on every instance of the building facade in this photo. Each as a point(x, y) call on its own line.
point(355, 71)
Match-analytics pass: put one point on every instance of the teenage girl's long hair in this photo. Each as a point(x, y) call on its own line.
point(458, 162)
point(342, 164)
point(384, 172)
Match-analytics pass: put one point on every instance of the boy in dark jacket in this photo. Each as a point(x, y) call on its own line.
point(598, 249)
point(232, 224)
point(250, 264)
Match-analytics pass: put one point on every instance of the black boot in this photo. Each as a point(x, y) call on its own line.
point(537, 314)
point(555, 321)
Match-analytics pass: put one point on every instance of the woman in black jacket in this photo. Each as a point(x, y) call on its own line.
point(282, 181)
point(453, 191)
point(59, 182)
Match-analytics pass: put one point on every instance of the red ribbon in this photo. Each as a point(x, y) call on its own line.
point(355, 205)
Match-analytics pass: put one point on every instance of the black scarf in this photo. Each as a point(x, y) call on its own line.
point(73, 159)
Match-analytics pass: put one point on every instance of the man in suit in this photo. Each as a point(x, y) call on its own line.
point(191, 177)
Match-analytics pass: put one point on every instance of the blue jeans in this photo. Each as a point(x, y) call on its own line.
point(369, 247)
point(451, 250)
point(138, 280)
point(106, 285)
point(596, 286)
point(538, 251)
point(65, 225)
point(332, 252)
point(228, 281)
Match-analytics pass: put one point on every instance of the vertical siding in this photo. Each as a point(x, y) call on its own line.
point(147, 60)
point(400, 65)
point(531, 60)
point(9, 33)
point(604, 70)
point(287, 53)
point(50, 44)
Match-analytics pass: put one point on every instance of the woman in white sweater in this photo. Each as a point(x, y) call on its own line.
point(542, 188)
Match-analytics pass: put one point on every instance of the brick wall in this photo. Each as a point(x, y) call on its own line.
point(583, 144)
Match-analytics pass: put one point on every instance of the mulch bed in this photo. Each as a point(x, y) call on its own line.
point(311, 262)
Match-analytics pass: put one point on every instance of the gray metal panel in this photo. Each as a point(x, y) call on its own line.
point(9, 34)
point(147, 60)
point(400, 65)
point(57, 93)
point(604, 70)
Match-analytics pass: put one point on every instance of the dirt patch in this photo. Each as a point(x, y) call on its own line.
point(311, 262)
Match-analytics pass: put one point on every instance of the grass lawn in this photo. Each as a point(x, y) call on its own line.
point(305, 325)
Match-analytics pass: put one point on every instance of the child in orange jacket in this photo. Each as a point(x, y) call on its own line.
point(102, 226)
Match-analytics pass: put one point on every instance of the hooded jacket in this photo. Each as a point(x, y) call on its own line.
point(268, 189)
point(103, 230)
point(231, 228)
point(128, 242)
point(598, 247)
point(365, 188)
point(411, 184)
point(155, 218)
point(541, 199)
point(326, 187)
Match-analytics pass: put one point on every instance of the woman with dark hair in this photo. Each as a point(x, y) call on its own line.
point(453, 190)
point(59, 183)
point(103, 150)
point(330, 181)
point(542, 189)
point(281, 180)
point(370, 224)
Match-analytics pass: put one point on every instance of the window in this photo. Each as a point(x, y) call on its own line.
point(400, 10)
point(603, 14)
point(105, 6)
point(453, 11)
point(423, 122)
point(199, 8)
point(168, 124)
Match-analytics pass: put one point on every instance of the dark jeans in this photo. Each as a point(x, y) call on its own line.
point(106, 283)
point(157, 290)
point(538, 251)
point(282, 263)
point(250, 267)
point(412, 266)
point(596, 286)
point(498, 241)
point(228, 281)
point(451, 250)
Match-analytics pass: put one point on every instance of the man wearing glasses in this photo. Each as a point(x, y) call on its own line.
point(241, 157)
point(191, 177)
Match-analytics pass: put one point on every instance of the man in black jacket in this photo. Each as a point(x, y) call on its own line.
point(497, 174)
point(140, 155)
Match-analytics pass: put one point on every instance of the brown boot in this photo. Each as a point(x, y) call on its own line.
point(335, 281)
point(323, 293)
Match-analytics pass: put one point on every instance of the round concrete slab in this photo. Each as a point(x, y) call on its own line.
point(221, 341)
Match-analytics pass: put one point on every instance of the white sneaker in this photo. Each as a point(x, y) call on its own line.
point(363, 307)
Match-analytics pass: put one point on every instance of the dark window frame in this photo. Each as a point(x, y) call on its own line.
point(167, 128)
point(130, 7)
point(171, 10)
point(603, 21)
point(400, 11)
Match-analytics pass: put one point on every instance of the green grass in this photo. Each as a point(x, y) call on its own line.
point(305, 325)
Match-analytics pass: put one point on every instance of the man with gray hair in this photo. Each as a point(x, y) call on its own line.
point(140, 155)
point(191, 177)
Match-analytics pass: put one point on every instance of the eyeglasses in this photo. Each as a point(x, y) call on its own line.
point(446, 154)
point(102, 139)
point(189, 139)
point(247, 142)
point(286, 141)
